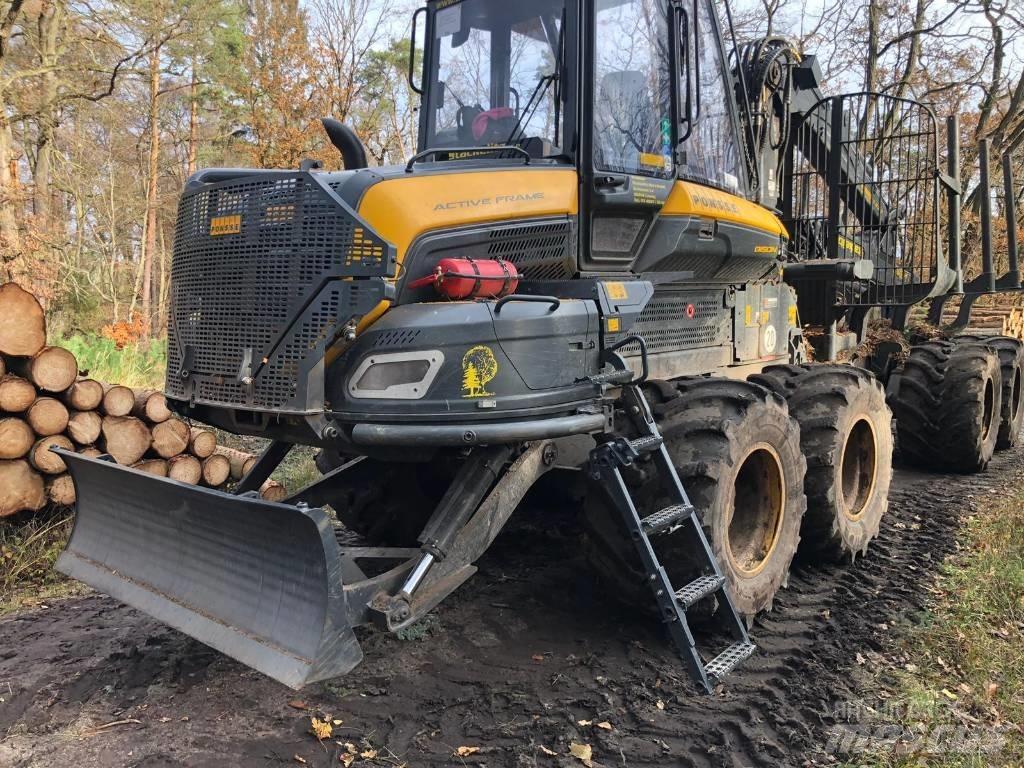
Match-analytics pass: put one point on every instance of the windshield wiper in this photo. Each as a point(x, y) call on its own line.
point(537, 97)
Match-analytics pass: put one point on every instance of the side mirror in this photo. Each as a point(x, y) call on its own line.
point(412, 52)
point(353, 154)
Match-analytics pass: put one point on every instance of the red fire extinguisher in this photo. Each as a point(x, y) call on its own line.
point(471, 278)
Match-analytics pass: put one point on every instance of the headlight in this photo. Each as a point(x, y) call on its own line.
point(396, 376)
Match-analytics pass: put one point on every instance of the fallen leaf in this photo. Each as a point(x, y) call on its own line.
point(336, 722)
point(604, 725)
point(351, 748)
point(298, 759)
point(320, 729)
point(581, 751)
point(346, 759)
point(548, 752)
point(537, 657)
point(466, 751)
point(949, 694)
point(965, 688)
point(861, 660)
point(297, 704)
point(991, 689)
point(659, 704)
point(584, 722)
point(369, 754)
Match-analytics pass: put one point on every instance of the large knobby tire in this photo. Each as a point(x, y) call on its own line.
point(846, 436)
point(1011, 364)
point(738, 455)
point(948, 406)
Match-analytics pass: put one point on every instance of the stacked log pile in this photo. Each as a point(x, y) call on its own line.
point(46, 402)
point(989, 317)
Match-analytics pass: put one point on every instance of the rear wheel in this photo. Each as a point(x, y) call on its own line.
point(738, 455)
point(846, 436)
point(948, 406)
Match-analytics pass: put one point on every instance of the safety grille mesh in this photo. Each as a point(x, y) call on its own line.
point(234, 293)
point(665, 325)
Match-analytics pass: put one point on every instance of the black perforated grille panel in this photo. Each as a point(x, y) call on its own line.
point(666, 326)
point(540, 251)
point(253, 258)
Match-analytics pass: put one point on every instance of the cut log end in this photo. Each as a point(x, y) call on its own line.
point(16, 394)
point(117, 400)
point(84, 427)
point(203, 443)
point(156, 467)
point(16, 438)
point(23, 331)
point(48, 416)
point(216, 470)
point(272, 490)
point(53, 369)
point(151, 406)
point(170, 438)
point(84, 395)
point(21, 488)
point(125, 438)
point(46, 461)
point(185, 469)
point(61, 490)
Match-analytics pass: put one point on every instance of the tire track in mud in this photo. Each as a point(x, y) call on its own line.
point(513, 662)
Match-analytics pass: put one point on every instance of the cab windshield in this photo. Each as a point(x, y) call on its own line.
point(495, 76)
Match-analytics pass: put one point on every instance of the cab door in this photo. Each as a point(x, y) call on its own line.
point(629, 127)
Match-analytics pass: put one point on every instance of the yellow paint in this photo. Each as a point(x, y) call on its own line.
point(225, 225)
point(651, 160)
point(402, 209)
point(792, 314)
point(613, 325)
point(766, 249)
point(749, 315)
point(616, 291)
point(479, 366)
point(765, 317)
point(849, 245)
point(689, 199)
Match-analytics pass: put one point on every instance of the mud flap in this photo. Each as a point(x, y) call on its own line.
point(258, 581)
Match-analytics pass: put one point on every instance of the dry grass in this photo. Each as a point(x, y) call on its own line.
point(29, 545)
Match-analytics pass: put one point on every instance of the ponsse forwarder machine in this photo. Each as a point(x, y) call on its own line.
point(601, 257)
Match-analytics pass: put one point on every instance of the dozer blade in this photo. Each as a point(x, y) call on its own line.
point(258, 581)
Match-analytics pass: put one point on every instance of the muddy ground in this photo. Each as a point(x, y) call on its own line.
point(511, 664)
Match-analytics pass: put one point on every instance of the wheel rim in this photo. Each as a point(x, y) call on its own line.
point(1015, 396)
point(989, 408)
point(858, 469)
point(759, 503)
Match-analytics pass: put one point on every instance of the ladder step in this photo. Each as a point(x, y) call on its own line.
point(611, 377)
point(698, 589)
point(729, 659)
point(646, 443)
point(665, 518)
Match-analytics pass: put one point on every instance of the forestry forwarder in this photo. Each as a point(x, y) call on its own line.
point(609, 226)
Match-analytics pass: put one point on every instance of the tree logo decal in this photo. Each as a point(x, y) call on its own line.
point(478, 368)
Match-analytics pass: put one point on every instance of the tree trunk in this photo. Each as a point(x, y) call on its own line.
point(84, 427)
point(16, 394)
point(241, 462)
point(46, 461)
point(49, 23)
point(53, 369)
point(170, 438)
point(48, 416)
point(185, 469)
point(21, 488)
point(23, 330)
point(84, 395)
point(152, 202)
point(193, 121)
point(125, 438)
point(272, 490)
point(16, 438)
point(203, 443)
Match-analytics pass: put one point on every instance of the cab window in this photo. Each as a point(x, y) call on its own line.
point(710, 154)
point(633, 130)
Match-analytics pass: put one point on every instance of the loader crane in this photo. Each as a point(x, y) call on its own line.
point(603, 256)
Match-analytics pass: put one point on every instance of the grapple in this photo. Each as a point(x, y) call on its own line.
point(258, 581)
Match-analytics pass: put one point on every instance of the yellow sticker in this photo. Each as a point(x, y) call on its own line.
point(225, 225)
point(850, 245)
point(792, 314)
point(766, 249)
point(616, 291)
point(479, 366)
point(652, 160)
point(749, 318)
point(613, 325)
point(765, 317)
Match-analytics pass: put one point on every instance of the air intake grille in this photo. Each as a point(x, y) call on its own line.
point(540, 252)
point(249, 279)
point(666, 326)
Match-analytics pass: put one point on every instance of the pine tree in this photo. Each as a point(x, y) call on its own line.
point(471, 381)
